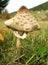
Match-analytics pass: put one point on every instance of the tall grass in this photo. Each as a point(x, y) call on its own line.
point(35, 47)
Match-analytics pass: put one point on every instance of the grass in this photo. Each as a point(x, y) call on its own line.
point(35, 47)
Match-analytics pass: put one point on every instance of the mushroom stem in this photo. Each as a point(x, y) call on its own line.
point(18, 46)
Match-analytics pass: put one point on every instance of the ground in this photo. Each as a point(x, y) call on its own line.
point(35, 46)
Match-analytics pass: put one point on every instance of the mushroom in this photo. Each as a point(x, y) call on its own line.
point(22, 23)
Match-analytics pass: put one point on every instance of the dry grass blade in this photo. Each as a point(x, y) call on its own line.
point(20, 56)
point(29, 59)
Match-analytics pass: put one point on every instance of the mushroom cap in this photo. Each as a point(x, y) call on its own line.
point(22, 21)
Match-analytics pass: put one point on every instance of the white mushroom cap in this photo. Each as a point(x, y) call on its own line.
point(22, 21)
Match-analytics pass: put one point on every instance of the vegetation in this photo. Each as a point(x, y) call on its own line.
point(3, 4)
point(43, 6)
point(35, 46)
point(34, 51)
point(40, 15)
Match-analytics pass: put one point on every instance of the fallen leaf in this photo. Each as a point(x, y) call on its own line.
point(3, 31)
point(1, 38)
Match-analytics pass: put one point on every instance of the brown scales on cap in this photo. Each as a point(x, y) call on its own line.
point(23, 9)
point(22, 21)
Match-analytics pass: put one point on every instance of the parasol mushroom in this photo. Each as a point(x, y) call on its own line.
point(22, 23)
